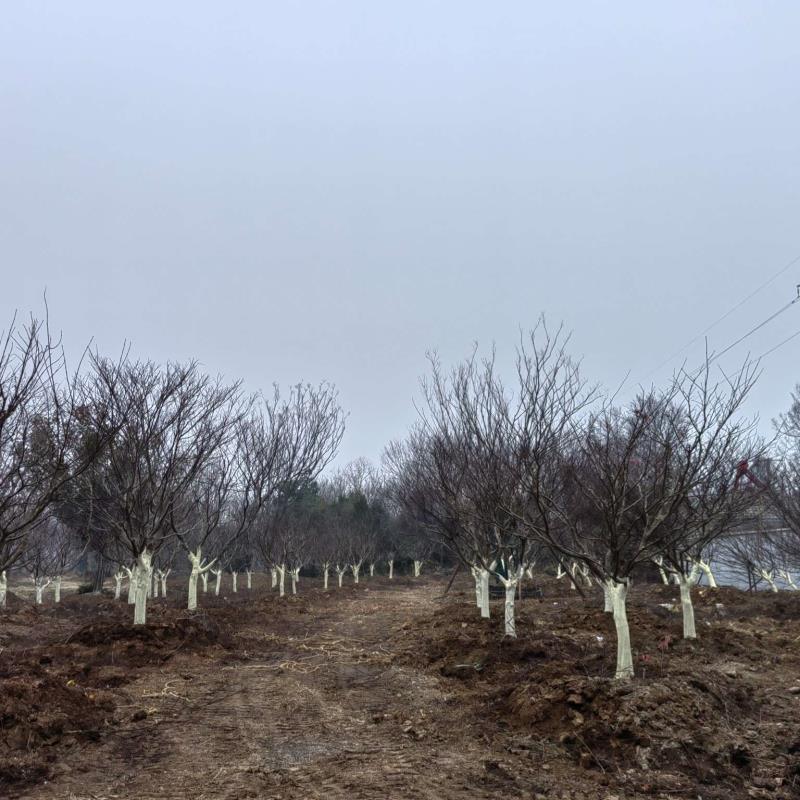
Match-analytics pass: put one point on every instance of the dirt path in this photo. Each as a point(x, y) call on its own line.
point(314, 708)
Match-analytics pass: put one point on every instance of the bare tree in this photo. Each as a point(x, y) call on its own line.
point(176, 422)
point(44, 408)
point(643, 481)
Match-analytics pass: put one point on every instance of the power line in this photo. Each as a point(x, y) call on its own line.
point(726, 315)
point(780, 344)
point(753, 330)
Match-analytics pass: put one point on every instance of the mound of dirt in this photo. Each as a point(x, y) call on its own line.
point(670, 728)
point(197, 630)
point(38, 711)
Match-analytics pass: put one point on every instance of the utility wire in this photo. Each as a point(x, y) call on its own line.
point(753, 330)
point(726, 315)
point(780, 344)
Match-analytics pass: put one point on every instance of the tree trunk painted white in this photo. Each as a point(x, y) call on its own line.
point(587, 578)
point(118, 585)
point(39, 585)
point(234, 576)
point(476, 576)
point(249, 574)
point(340, 571)
point(510, 584)
point(57, 589)
point(659, 562)
point(218, 581)
point(204, 578)
point(325, 569)
point(131, 584)
point(295, 574)
point(608, 605)
point(150, 583)
point(706, 567)
point(195, 559)
point(274, 574)
point(787, 577)
point(3, 588)
point(689, 631)
point(281, 580)
point(372, 570)
point(619, 593)
point(769, 577)
point(192, 602)
point(573, 569)
point(417, 568)
point(559, 571)
point(164, 576)
point(143, 573)
point(485, 593)
point(391, 569)
point(154, 594)
point(355, 569)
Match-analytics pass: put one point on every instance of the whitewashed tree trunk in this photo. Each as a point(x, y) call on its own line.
point(769, 577)
point(191, 604)
point(218, 582)
point(274, 574)
point(295, 574)
point(417, 568)
point(131, 584)
point(325, 570)
point(150, 583)
point(197, 571)
point(355, 569)
point(340, 572)
point(689, 631)
point(234, 576)
point(573, 571)
point(143, 573)
point(39, 585)
point(587, 578)
point(154, 594)
point(485, 593)
point(57, 589)
point(391, 569)
point(706, 568)
point(608, 605)
point(281, 580)
point(3, 588)
point(118, 577)
point(510, 584)
point(249, 574)
point(164, 576)
point(476, 576)
point(619, 593)
point(372, 570)
point(787, 577)
point(659, 562)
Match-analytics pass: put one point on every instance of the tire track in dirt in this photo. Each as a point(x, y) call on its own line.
point(319, 711)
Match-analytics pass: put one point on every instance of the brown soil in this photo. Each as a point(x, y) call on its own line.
point(390, 690)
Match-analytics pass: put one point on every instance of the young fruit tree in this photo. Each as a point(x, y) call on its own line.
point(44, 408)
point(639, 482)
point(177, 419)
point(453, 475)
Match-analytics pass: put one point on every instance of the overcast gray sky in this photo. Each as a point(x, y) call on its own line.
point(325, 190)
